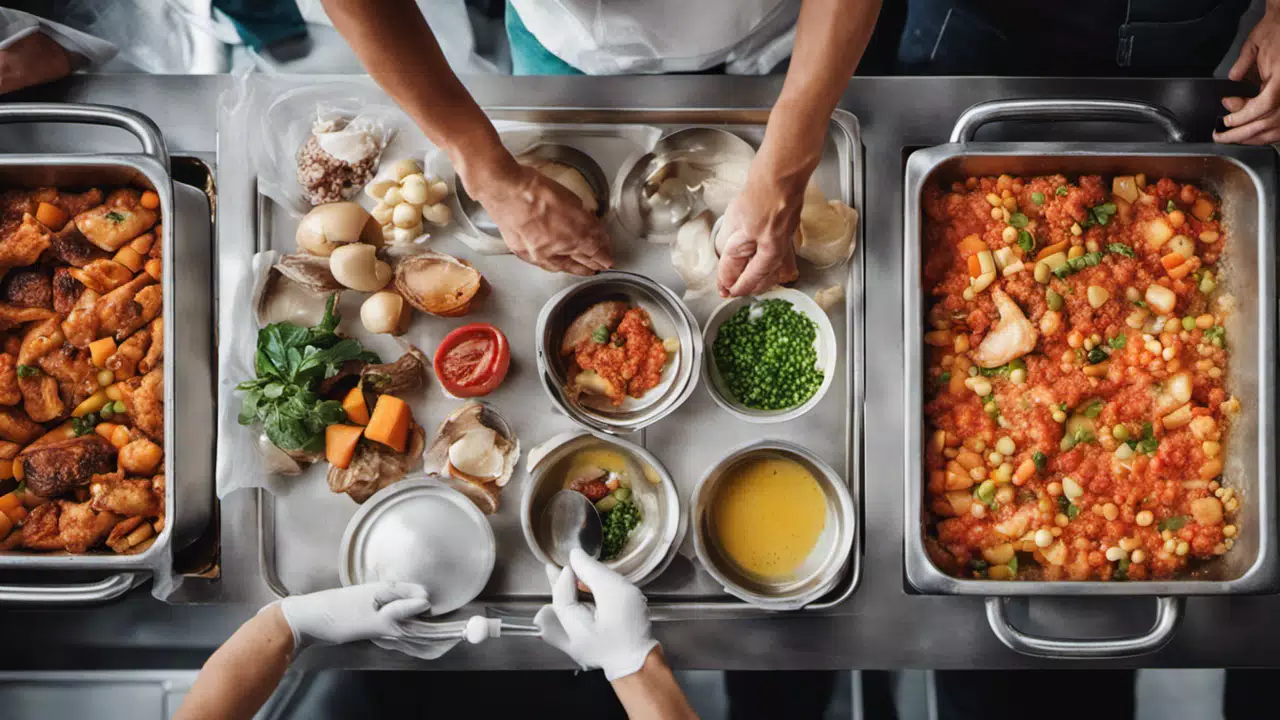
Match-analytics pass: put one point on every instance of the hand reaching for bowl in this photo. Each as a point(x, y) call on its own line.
point(1256, 120)
point(758, 234)
point(540, 220)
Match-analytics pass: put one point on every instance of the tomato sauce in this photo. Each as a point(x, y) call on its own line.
point(1082, 436)
point(631, 360)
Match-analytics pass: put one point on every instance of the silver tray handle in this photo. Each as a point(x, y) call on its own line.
point(140, 125)
point(77, 594)
point(1065, 109)
point(1168, 616)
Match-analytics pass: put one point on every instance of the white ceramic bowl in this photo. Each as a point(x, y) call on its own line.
point(824, 343)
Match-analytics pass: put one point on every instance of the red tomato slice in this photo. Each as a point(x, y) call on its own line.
point(472, 360)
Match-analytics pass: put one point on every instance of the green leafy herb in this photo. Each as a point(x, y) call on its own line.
point(1003, 370)
point(27, 371)
point(1173, 524)
point(1148, 444)
point(1026, 241)
point(618, 525)
point(1018, 220)
point(1039, 459)
point(114, 217)
point(600, 335)
point(944, 378)
point(1096, 355)
point(1117, 342)
point(1075, 437)
point(1170, 207)
point(1217, 336)
point(1013, 564)
point(1120, 249)
point(1122, 569)
point(1061, 191)
point(1099, 215)
point(1073, 511)
point(1075, 265)
point(1037, 198)
point(979, 565)
point(1093, 409)
point(290, 363)
point(84, 424)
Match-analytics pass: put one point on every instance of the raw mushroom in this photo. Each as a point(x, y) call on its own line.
point(827, 229)
point(357, 266)
point(329, 226)
point(694, 256)
point(385, 312)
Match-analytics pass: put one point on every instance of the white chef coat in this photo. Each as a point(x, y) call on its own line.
point(86, 49)
point(610, 37)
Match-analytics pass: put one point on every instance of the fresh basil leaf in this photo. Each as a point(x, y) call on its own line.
point(1061, 191)
point(1018, 220)
point(1073, 512)
point(1039, 459)
point(1026, 241)
point(1120, 249)
point(1093, 409)
point(273, 391)
point(1117, 342)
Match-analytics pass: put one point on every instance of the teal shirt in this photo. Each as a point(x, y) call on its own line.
point(528, 56)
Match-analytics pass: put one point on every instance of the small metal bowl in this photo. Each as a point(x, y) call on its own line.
point(825, 344)
point(646, 557)
point(477, 218)
point(671, 319)
point(423, 532)
point(826, 562)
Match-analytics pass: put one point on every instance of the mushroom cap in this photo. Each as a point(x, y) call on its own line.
point(333, 224)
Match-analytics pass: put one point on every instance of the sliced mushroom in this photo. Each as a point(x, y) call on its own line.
point(437, 283)
point(294, 290)
point(476, 451)
point(407, 373)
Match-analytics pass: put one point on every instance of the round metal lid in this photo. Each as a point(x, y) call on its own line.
point(422, 532)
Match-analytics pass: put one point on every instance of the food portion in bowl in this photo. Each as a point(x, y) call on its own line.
point(766, 355)
point(605, 478)
point(1076, 355)
point(767, 514)
point(613, 352)
point(82, 370)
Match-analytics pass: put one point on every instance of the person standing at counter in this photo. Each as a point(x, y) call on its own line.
point(611, 634)
point(542, 222)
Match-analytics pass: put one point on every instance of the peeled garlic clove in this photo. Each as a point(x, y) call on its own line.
point(357, 266)
point(437, 190)
point(378, 188)
point(405, 215)
point(414, 189)
point(401, 168)
point(382, 213)
point(385, 312)
point(829, 298)
point(389, 233)
point(438, 214)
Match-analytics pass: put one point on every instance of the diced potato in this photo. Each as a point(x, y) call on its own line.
point(1202, 209)
point(1158, 232)
point(1183, 245)
point(1178, 418)
point(1056, 553)
point(1160, 299)
point(1207, 511)
point(998, 554)
point(1125, 186)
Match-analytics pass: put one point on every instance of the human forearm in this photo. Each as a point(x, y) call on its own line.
point(396, 46)
point(652, 692)
point(831, 36)
point(242, 674)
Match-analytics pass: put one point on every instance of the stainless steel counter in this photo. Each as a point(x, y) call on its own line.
point(885, 624)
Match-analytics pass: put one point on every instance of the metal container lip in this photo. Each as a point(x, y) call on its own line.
point(383, 508)
point(159, 178)
point(560, 310)
point(921, 573)
point(823, 578)
point(546, 455)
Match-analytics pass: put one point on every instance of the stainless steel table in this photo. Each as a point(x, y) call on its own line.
point(885, 625)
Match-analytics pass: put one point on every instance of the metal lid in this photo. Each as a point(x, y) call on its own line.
point(423, 532)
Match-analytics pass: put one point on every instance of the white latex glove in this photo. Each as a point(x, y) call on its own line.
point(359, 612)
point(612, 635)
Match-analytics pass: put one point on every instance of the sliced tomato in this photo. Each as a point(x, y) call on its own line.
point(472, 360)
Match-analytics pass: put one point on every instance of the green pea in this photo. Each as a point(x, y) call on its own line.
point(1188, 323)
point(1120, 432)
point(1037, 198)
point(1053, 299)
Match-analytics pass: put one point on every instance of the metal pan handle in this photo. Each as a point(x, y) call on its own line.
point(1064, 109)
point(140, 125)
point(1168, 616)
point(78, 594)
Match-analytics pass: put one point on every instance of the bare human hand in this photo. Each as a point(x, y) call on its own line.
point(759, 229)
point(33, 60)
point(540, 220)
point(1256, 120)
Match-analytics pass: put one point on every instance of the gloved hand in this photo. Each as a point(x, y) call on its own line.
point(613, 635)
point(359, 612)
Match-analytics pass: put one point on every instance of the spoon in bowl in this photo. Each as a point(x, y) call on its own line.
point(572, 521)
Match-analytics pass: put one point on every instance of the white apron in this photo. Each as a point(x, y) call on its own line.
point(612, 37)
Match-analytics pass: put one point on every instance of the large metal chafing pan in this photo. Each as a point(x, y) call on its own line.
point(1245, 180)
point(148, 170)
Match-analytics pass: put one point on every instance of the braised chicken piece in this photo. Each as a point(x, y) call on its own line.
point(70, 246)
point(132, 497)
point(118, 220)
point(66, 291)
point(131, 536)
point(120, 311)
point(22, 246)
point(40, 530)
point(39, 339)
point(11, 316)
point(102, 276)
point(58, 467)
point(9, 392)
point(141, 457)
point(16, 203)
point(77, 377)
point(375, 466)
point(155, 353)
point(16, 427)
point(81, 325)
point(81, 526)
point(40, 398)
point(124, 363)
point(28, 288)
point(74, 203)
point(144, 402)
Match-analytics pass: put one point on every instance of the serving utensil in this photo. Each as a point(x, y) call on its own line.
point(572, 522)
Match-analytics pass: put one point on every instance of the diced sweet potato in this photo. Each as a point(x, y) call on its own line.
point(340, 444)
point(356, 408)
point(389, 423)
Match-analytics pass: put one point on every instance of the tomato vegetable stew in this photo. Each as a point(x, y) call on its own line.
point(1075, 403)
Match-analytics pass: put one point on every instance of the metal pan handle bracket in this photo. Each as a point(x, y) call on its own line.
point(1168, 616)
point(78, 594)
point(83, 114)
point(1064, 109)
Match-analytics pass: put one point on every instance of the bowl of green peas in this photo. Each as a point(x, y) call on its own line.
point(771, 358)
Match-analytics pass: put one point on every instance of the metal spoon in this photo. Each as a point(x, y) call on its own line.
point(572, 521)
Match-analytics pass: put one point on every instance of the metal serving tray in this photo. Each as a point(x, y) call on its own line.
point(1245, 179)
point(301, 529)
point(188, 410)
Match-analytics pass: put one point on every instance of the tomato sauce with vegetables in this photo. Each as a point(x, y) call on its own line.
point(632, 358)
point(1076, 355)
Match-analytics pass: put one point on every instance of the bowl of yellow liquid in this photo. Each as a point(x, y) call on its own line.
point(773, 524)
